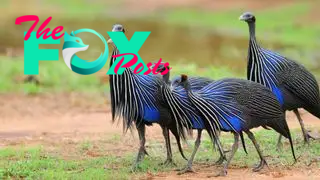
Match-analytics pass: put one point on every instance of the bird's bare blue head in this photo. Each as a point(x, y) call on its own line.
point(116, 28)
point(248, 17)
point(176, 81)
point(161, 68)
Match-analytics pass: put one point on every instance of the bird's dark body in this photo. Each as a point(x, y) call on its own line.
point(136, 99)
point(237, 105)
point(293, 85)
point(252, 102)
point(176, 95)
point(300, 88)
point(297, 86)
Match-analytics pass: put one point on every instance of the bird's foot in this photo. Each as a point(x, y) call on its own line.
point(308, 137)
point(260, 166)
point(187, 169)
point(142, 152)
point(220, 161)
point(168, 162)
point(223, 172)
point(135, 167)
point(145, 152)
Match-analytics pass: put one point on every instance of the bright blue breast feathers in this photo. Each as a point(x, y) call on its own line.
point(219, 104)
point(151, 115)
point(234, 123)
point(277, 92)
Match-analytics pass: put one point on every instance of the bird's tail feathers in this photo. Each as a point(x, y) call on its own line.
point(243, 142)
point(281, 126)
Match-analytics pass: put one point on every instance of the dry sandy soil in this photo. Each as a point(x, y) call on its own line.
point(61, 120)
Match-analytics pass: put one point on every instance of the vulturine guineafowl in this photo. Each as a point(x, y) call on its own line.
point(236, 105)
point(294, 86)
point(195, 84)
point(176, 99)
point(133, 99)
point(136, 99)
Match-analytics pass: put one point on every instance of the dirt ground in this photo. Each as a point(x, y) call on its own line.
point(53, 120)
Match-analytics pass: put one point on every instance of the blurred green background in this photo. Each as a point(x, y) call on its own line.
point(197, 37)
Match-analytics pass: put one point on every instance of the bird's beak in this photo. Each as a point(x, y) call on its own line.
point(242, 18)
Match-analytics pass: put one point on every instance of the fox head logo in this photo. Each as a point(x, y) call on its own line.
point(71, 46)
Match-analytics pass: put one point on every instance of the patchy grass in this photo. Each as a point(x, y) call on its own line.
point(44, 163)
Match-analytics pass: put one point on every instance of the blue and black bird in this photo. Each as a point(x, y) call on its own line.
point(294, 86)
point(137, 100)
point(134, 100)
point(176, 100)
point(195, 84)
point(236, 105)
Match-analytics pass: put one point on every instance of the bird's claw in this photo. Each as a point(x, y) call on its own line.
point(145, 152)
point(187, 169)
point(223, 172)
point(168, 162)
point(134, 168)
point(220, 161)
point(260, 166)
point(307, 138)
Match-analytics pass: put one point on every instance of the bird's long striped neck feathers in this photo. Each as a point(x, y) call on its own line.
point(115, 89)
point(132, 95)
point(180, 107)
point(263, 64)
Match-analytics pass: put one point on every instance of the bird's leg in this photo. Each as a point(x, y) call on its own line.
point(176, 135)
point(233, 151)
point(142, 150)
point(279, 143)
point(166, 135)
point(263, 162)
point(222, 156)
point(221, 151)
point(306, 135)
point(188, 168)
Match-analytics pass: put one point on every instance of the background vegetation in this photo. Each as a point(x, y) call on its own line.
point(193, 40)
